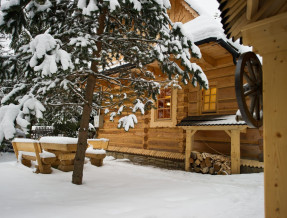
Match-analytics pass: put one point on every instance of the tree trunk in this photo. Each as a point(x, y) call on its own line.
point(84, 124)
point(83, 133)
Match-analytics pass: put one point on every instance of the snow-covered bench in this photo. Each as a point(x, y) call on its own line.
point(96, 150)
point(27, 150)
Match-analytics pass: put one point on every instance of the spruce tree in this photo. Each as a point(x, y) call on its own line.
point(74, 53)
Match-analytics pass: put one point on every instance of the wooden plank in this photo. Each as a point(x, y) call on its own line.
point(29, 157)
point(25, 146)
point(59, 147)
point(251, 163)
point(230, 105)
point(226, 93)
point(189, 147)
point(229, 127)
point(235, 151)
point(120, 144)
point(37, 152)
point(14, 144)
point(66, 156)
point(220, 72)
point(252, 7)
point(275, 133)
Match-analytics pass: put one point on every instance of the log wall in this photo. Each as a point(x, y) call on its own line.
point(172, 139)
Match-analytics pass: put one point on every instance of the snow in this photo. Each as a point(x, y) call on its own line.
point(25, 140)
point(139, 106)
point(40, 46)
point(208, 24)
point(90, 150)
point(204, 7)
point(44, 154)
point(8, 114)
point(123, 190)
point(13, 92)
point(128, 122)
point(113, 4)
point(92, 6)
point(6, 4)
point(58, 140)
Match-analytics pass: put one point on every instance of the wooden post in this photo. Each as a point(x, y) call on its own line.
point(268, 38)
point(38, 158)
point(235, 151)
point(275, 133)
point(15, 149)
point(188, 147)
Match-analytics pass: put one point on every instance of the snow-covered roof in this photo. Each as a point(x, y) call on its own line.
point(206, 26)
point(197, 6)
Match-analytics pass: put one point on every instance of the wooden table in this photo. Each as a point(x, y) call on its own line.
point(65, 154)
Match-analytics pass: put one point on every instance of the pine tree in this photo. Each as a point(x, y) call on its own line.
point(73, 53)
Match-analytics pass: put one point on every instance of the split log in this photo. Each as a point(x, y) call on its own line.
point(205, 170)
point(210, 163)
point(193, 155)
point(191, 160)
point(197, 162)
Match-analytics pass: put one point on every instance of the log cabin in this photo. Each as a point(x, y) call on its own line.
point(190, 119)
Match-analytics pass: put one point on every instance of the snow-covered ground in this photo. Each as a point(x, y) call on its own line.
point(123, 190)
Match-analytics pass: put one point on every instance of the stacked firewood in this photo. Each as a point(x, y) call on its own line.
point(209, 163)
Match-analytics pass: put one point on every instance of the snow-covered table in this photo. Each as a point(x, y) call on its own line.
point(64, 148)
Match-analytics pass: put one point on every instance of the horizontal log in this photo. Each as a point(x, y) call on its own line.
point(66, 156)
point(131, 145)
point(66, 168)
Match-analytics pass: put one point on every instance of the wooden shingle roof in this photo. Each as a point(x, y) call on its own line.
point(236, 14)
point(210, 120)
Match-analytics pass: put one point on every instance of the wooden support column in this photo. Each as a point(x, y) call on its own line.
point(268, 38)
point(235, 151)
point(189, 147)
point(275, 134)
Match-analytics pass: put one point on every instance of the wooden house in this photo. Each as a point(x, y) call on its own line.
point(262, 24)
point(190, 118)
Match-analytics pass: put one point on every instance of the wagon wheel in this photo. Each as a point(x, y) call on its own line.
point(248, 87)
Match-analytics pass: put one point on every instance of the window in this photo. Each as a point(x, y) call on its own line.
point(209, 100)
point(164, 104)
point(165, 114)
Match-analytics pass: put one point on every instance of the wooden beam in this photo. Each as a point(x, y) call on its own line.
point(228, 133)
point(235, 151)
point(267, 35)
point(209, 60)
point(252, 7)
point(189, 147)
point(275, 133)
point(14, 144)
point(37, 152)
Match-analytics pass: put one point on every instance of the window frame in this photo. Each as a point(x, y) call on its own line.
point(167, 122)
point(164, 108)
point(203, 95)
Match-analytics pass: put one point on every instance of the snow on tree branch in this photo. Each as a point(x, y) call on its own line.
point(10, 114)
point(40, 47)
point(127, 122)
point(60, 44)
point(139, 106)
